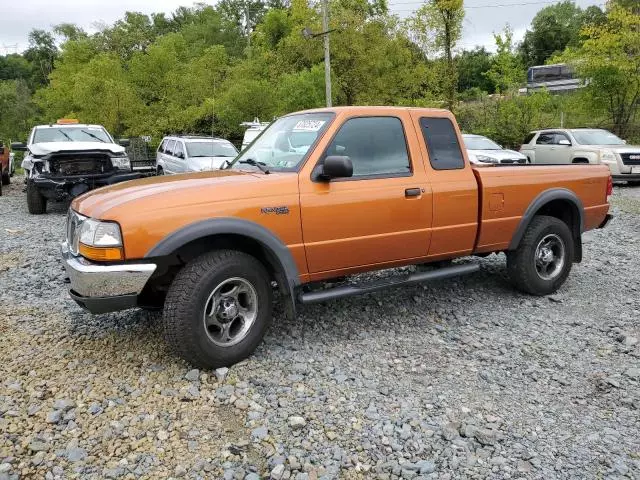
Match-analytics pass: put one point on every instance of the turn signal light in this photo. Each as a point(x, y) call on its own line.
point(101, 254)
point(609, 187)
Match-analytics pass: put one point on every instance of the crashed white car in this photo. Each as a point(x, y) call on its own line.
point(66, 159)
point(483, 151)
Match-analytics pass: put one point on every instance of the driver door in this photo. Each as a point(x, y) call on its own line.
point(382, 214)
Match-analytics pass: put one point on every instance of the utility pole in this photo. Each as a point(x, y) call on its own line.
point(327, 59)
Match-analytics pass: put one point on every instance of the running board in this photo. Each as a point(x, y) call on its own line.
point(418, 277)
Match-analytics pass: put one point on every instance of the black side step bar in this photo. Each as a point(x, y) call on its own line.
point(418, 277)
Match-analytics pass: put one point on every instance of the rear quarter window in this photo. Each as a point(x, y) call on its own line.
point(528, 138)
point(442, 143)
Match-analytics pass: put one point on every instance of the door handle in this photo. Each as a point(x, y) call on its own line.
point(412, 192)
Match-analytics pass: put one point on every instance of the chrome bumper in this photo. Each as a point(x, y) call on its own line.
point(103, 288)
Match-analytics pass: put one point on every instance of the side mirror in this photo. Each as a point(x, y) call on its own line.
point(19, 146)
point(336, 166)
point(180, 155)
point(564, 142)
point(124, 142)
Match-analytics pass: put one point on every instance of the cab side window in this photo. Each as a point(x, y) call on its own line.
point(559, 137)
point(376, 146)
point(442, 143)
point(546, 139)
point(168, 149)
point(178, 150)
point(162, 146)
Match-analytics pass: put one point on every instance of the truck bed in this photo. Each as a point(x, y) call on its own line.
point(508, 194)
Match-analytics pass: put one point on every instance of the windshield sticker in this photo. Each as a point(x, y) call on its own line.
point(309, 125)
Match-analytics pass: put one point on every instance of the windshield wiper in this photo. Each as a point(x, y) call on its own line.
point(92, 135)
point(63, 133)
point(261, 165)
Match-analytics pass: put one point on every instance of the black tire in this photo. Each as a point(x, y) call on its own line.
point(6, 178)
point(522, 265)
point(190, 297)
point(159, 171)
point(36, 202)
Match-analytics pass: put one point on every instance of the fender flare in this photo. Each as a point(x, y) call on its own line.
point(540, 201)
point(232, 226)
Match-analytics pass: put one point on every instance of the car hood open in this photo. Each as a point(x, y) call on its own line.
point(53, 147)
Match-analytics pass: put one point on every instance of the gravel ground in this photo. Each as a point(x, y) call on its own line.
point(465, 379)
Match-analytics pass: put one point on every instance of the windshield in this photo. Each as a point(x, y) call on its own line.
point(480, 143)
point(211, 149)
point(284, 143)
point(596, 137)
point(71, 134)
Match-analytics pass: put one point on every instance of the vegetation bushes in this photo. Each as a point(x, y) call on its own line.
point(206, 69)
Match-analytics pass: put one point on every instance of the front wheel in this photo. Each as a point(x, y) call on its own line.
point(218, 308)
point(6, 177)
point(543, 260)
point(36, 202)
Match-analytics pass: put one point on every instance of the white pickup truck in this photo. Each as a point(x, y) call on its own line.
point(584, 145)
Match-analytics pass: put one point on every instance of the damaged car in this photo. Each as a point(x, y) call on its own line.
point(66, 159)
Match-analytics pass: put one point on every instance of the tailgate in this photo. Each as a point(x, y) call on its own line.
point(507, 194)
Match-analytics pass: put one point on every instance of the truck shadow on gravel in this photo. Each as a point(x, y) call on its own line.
point(332, 323)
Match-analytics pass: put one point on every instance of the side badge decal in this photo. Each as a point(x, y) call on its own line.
point(276, 210)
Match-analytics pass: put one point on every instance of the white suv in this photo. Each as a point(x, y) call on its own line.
point(584, 145)
point(181, 154)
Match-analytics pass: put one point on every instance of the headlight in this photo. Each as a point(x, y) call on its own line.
point(98, 240)
point(485, 159)
point(607, 156)
point(121, 162)
point(100, 234)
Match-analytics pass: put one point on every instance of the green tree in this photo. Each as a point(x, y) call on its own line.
point(609, 58)
point(41, 54)
point(472, 66)
point(554, 28)
point(17, 109)
point(506, 71)
point(436, 27)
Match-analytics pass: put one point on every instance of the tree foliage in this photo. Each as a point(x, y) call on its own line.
point(554, 28)
point(609, 58)
point(206, 69)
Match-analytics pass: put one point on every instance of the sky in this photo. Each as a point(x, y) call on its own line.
point(482, 17)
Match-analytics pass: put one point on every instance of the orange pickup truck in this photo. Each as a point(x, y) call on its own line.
point(320, 195)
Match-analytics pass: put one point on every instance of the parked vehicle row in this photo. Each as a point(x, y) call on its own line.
point(66, 159)
point(483, 150)
point(7, 167)
point(180, 154)
point(318, 196)
point(584, 145)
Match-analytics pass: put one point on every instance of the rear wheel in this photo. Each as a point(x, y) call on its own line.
point(159, 171)
point(543, 260)
point(6, 176)
point(36, 202)
point(218, 308)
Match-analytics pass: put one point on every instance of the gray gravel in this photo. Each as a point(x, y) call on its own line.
point(465, 379)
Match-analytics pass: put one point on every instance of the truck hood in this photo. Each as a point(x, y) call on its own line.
point(499, 154)
point(54, 147)
point(613, 148)
point(190, 190)
point(207, 163)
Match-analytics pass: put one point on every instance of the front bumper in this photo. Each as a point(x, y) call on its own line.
point(632, 177)
point(62, 188)
point(105, 288)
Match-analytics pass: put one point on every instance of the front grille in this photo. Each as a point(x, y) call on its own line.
point(513, 160)
point(630, 158)
point(69, 165)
